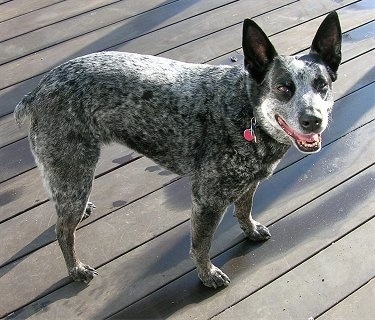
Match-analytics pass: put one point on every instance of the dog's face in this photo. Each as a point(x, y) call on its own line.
point(297, 101)
point(296, 91)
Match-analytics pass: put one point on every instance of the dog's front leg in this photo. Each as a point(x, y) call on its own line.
point(252, 229)
point(204, 221)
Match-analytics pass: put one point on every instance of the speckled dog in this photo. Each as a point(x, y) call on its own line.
point(226, 127)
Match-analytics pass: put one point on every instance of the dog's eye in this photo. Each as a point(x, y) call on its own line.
point(285, 89)
point(321, 85)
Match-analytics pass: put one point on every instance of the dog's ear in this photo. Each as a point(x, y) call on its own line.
point(327, 43)
point(258, 50)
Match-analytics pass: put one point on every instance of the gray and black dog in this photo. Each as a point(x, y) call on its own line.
point(226, 127)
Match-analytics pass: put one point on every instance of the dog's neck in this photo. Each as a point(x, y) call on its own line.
point(237, 111)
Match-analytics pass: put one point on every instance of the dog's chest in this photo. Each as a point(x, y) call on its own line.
point(257, 163)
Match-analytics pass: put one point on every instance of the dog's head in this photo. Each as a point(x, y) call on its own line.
point(295, 91)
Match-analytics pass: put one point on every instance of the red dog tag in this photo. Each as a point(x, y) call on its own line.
point(248, 135)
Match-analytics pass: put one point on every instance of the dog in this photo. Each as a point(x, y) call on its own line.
point(227, 127)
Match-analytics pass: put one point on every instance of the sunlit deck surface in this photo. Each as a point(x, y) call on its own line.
point(320, 261)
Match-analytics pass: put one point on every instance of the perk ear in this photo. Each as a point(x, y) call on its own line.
point(327, 43)
point(258, 50)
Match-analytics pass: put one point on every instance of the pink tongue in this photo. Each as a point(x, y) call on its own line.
point(312, 137)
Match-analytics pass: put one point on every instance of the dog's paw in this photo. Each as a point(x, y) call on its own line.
point(214, 277)
point(83, 273)
point(258, 232)
point(89, 209)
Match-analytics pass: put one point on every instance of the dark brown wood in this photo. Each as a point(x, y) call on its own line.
point(103, 38)
point(118, 12)
point(312, 286)
point(214, 45)
point(252, 266)
point(196, 27)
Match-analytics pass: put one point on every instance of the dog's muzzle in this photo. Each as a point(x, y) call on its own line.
point(307, 143)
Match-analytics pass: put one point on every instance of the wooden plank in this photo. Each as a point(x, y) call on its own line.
point(65, 10)
point(213, 45)
point(213, 22)
point(355, 41)
point(159, 261)
point(359, 305)
point(78, 25)
point(19, 7)
point(290, 191)
point(316, 284)
point(113, 34)
point(253, 266)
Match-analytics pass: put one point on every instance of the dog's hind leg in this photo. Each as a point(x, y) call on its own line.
point(243, 206)
point(68, 170)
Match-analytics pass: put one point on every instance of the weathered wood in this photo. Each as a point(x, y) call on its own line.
point(289, 192)
point(115, 189)
point(103, 38)
point(64, 10)
point(359, 305)
point(313, 286)
point(196, 27)
point(252, 266)
point(165, 258)
point(119, 13)
point(16, 8)
point(213, 45)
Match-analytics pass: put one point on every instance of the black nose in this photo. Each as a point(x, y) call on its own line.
point(310, 123)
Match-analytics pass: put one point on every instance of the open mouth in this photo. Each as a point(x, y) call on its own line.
point(308, 143)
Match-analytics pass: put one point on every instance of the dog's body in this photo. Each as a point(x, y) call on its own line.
point(189, 118)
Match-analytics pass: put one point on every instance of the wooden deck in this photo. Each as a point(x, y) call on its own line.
point(320, 262)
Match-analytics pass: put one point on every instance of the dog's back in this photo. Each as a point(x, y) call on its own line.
point(158, 107)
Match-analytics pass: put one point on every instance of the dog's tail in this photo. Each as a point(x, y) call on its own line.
point(22, 110)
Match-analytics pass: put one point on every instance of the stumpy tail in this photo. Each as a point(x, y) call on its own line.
point(22, 110)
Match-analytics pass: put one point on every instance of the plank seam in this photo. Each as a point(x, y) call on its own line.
point(105, 49)
point(244, 240)
point(300, 263)
point(215, 256)
point(110, 24)
point(77, 15)
point(22, 14)
point(345, 297)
